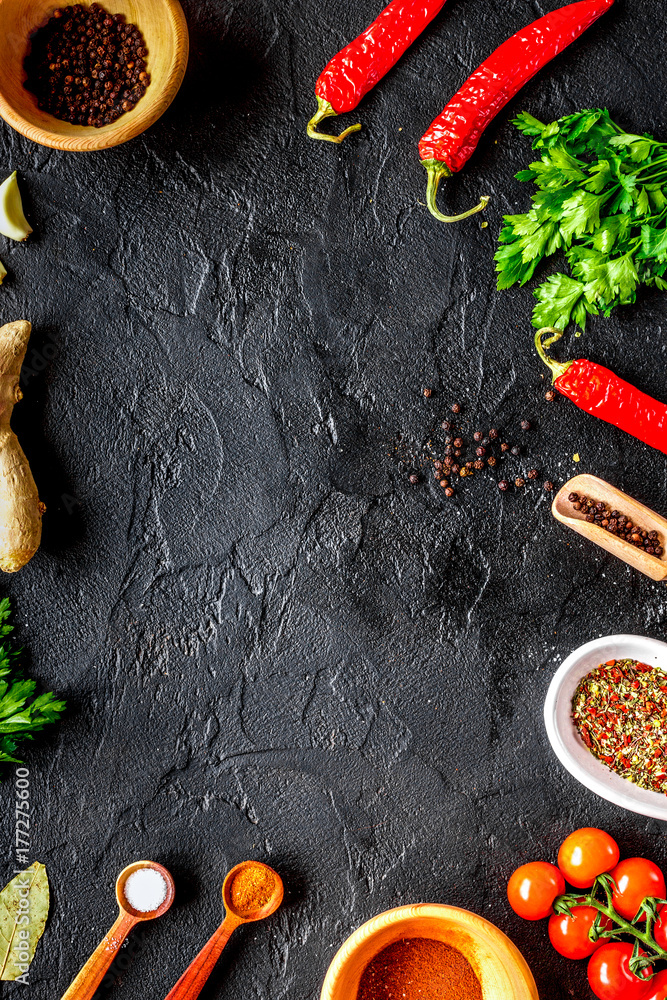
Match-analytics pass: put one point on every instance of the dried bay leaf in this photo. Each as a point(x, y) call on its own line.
point(24, 907)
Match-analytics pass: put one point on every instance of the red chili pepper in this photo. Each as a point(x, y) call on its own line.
point(452, 138)
point(348, 77)
point(598, 391)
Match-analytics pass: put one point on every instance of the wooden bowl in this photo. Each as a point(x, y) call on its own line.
point(165, 30)
point(498, 964)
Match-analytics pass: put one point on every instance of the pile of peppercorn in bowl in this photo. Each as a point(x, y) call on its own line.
point(86, 76)
point(606, 719)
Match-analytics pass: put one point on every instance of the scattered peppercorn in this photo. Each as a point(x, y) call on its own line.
point(449, 492)
point(519, 482)
point(525, 425)
point(428, 392)
point(532, 474)
point(456, 407)
point(503, 485)
point(477, 436)
point(458, 442)
point(550, 395)
point(515, 450)
point(414, 478)
point(86, 66)
point(481, 451)
point(617, 524)
point(446, 425)
point(493, 434)
point(479, 464)
point(548, 486)
point(444, 483)
point(504, 446)
point(492, 460)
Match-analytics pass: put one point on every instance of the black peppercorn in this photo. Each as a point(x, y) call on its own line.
point(446, 425)
point(477, 436)
point(550, 395)
point(456, 407)
point(519, 481)
point(493, 434)
point(525, 425)
point(503, 485)
point(414, 478)
point(428, 393)
point(80, 45)
point(481, 451)
point(548, 486)
point(458, 442)
point(532, 474)
point(515, 450)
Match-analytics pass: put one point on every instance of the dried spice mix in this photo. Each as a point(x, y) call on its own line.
point(620, 710)
point(87, 66)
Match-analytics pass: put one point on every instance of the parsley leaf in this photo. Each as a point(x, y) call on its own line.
point(602, 199)
point(21, 713)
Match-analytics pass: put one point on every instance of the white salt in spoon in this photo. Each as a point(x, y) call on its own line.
point(145, 890)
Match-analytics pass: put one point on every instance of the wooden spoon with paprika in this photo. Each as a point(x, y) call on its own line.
point(251, 891)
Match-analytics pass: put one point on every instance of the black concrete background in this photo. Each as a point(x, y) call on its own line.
point(272, 644)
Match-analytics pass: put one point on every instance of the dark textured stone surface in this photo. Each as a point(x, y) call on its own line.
point(272, 644)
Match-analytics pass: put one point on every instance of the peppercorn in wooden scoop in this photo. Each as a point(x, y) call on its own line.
point(251, 891)
point(614, 521)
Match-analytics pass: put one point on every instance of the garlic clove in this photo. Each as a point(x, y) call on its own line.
point(3, 272)
point(12, 220)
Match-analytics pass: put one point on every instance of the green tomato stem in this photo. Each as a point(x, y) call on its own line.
point(624, 926)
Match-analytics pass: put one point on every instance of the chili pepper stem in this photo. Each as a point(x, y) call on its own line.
point(435, 171)
point(324, 110)
point(558, 368)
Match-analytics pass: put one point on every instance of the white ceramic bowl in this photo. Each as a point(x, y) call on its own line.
point(564, 738)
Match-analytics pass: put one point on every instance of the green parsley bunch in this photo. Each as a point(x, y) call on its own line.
point(601, 200)
point(21, 714)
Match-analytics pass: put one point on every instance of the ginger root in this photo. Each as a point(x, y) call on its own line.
point(20, 507)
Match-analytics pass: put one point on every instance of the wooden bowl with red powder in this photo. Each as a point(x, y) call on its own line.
point(426, 952)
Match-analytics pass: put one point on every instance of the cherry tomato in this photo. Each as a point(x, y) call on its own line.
point(636, 879)
point(660, 927)
point(585, 854)
point(532, 889)
point(569, 935)
point(658, 989)
point(609, 974)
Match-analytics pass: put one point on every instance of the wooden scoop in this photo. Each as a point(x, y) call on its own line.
point(193, 979)
point(86, 983)
point(643, 517)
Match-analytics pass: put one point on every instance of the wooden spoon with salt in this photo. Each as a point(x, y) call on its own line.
point(91, 975)
point(251, 891)
point(643, 517)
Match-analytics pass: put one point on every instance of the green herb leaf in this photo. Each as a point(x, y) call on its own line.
point(560, 300)
point(21, 713)
point(24, 908)
point(602, 198)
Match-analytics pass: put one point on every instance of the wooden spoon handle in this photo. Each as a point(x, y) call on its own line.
point(193, 979)
point(93, 972)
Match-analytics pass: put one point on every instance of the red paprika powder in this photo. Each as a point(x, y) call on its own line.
point(419, 969)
